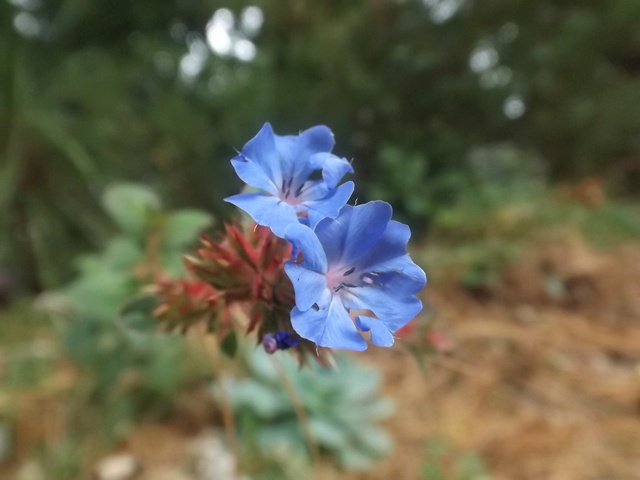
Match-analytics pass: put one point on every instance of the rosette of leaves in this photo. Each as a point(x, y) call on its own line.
point(342, 409)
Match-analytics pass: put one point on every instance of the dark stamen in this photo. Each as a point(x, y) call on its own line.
point(286, 187)
point(345, 285)
point(349, 272)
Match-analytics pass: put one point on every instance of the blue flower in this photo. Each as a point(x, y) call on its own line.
point(356, 265)
point(280, 166)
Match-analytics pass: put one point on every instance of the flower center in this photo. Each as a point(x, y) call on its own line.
point(290, 193)
point(340, 277)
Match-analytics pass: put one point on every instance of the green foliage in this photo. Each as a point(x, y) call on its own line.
point(341, 406)
point(229, 344)
point(28, 351)
point(106, 317)
point(498, 210)
point(181, 227)
point(133, 208)
point(150, 242)
point(31, 358)
point(61, 460)
point(606, 226)
point(411, 89)
point(442, 464)
point(404, 187)
point(506, 205)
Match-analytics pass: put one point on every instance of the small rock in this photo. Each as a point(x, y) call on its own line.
point(31, 470)
point(211, 459)
point(118, 467)
point(524, 313)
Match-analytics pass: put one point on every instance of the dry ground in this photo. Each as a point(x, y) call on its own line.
point(543, 386)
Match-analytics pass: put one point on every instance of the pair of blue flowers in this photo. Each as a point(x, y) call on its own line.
point(355, 274)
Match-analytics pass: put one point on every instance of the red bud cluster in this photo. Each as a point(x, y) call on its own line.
point(184, 302)
point(246, 269)
point(244, 265)
point(238, 279)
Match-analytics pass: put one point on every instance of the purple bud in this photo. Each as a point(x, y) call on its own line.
point(269, 343)
point(286, 340)
point(279, 341)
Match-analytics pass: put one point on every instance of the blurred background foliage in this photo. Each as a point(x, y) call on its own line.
point(483, 123)
point(161, 92)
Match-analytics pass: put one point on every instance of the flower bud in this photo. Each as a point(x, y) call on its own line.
point(269, 343)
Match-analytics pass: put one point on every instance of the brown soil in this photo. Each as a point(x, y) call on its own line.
point(555, 398)
point(542, 386)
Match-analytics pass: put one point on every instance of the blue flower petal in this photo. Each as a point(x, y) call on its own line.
point(317, 139)
point(332, 234)
point(354, 231)
point(308, 285)
point(333, 167)
point(394, 241)
point(329, 325)
point(368, 223)
point(394, 311)
point(380, 334)
point(314, 190)
point(330, 206)
point(261, 153)
point(306, 242)
point(266, 210)
point(399, 274)
point(296, 151)
point(392, 244)
point(253, 174)
point(281, 166)
point(388, 257)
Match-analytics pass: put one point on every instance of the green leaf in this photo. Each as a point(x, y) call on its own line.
point(375, 441)
point(229, 345)
point(172, 264)
point(328, 434)
point(122, 254)
point(284, 437)
point(354, 459)
point(136, 315)
point(132, 207)
point(262, 401)
point(182, 228)
point(99, 295)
